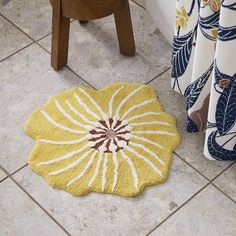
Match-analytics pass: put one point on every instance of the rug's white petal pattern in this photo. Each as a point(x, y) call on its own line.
point(116, 140)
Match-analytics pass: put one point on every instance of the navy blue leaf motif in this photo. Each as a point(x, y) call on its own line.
point(227, 33)
point(182, 48)
point(191, 126)
point(226, 109)
point(231, 6)
point(210, 125)
point(194, 89)
point(192, 7)
point(209, 22)
point(218, 152)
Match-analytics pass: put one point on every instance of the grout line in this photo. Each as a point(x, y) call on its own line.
point(80, 77)
point(42, 208)
point(138, 4)
point(223, 192)
point(210, 180)
point(22, 167)
point(37, 42)
point(18, 27)
point(161, 73)
point(66, 66)
point(199, 172)
point(181, 206)
point(33, 40)
point(43, 47)
point(3, 179)
point(209, 183)
point(16, 51)
point(222, 171)
point(5, 173)
point(43, 37)
point(10, 174)
point(4, 170)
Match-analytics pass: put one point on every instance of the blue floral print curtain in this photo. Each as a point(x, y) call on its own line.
point(204, 71)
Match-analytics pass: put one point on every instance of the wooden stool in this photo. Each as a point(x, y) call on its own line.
point(84, 10)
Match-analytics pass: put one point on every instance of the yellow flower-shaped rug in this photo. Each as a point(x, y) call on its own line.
point(115, 140)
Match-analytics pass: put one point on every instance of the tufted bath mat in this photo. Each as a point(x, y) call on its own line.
point(115, 140)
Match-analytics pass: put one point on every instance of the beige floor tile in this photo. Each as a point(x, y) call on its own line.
point(209, 213)
point(33, 17)
point(21, 216)
point(11, 39)
point(99, 214)
point(94, 52)
point(27, 81)
point(227, 181)
point(191, 148)
point(2, 175)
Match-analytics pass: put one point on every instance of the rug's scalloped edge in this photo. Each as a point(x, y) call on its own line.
point(173, 147)
point(129, 195)
point(89, 88)
point(87, 190)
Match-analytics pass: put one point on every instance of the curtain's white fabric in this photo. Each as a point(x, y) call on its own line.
point(204, 67)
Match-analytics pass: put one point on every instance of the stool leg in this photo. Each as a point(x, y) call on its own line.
point(124, 28)
point(60, 36)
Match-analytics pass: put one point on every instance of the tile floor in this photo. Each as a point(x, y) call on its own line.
point(198, 199)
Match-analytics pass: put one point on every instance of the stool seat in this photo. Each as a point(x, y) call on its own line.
point(84, 10)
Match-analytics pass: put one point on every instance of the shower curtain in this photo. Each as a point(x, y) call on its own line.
point(204, 71)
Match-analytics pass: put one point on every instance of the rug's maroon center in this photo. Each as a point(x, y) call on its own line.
point(110, 135)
